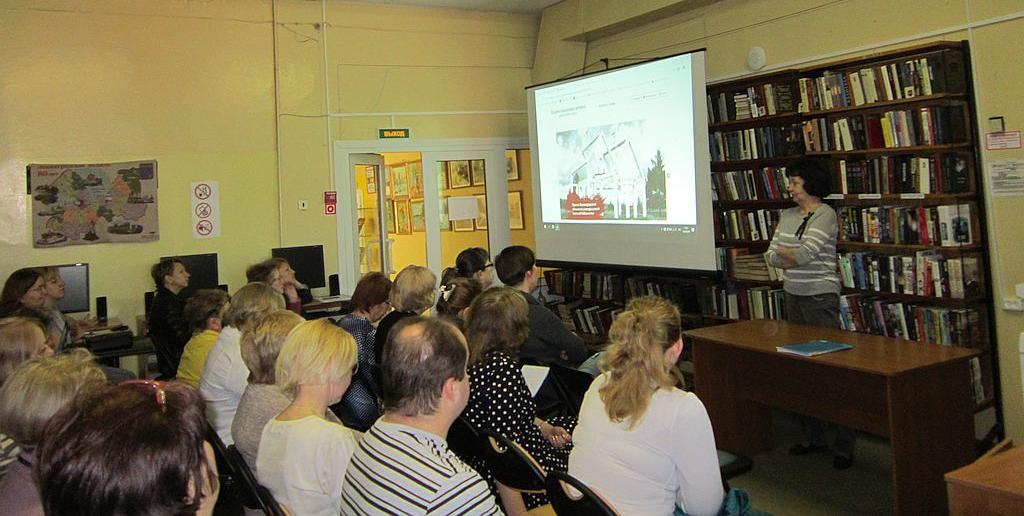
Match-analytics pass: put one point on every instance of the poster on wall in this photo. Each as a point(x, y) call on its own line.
point(92, 204)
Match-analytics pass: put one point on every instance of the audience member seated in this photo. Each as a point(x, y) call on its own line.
point(359, 408)
point(167, 326)
point(278, 274)
point(643, 444)
point(224, 375)
point(472, 263)
point(23, 288)
point(500, 399)
point(549, 341)
point(21, 339)
point(454, 298)
point(100, 455)
point(262, 399)
point(412, 294)
point(426, 387)
point(204, 312)
point(29, 398)
point(70, 330)
point(302, 455)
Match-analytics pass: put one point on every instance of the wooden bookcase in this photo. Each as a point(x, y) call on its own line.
point(898, 130)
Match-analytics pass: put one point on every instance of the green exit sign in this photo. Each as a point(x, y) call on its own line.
point(392, 133)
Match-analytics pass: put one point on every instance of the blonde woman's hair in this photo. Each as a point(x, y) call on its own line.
point(413, 290)
point(39, 388)
point(17, 343)
point(497, 320)
point(251, 304)
point(315, 353)
point(635, 360)
point(262, 344)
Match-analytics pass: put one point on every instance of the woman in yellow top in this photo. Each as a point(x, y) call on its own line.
point(204, 312)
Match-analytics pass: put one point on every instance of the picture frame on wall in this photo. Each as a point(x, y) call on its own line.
point(511, 165)
point(459, 174)
point(400, 181)
point(371, 180)
point(462, 225)
point(403, 217)
point(419, 220)
point(389, 222)
point(415, 170)
point(481, 208)
point(477, 171)
point(442, 176)
point(515, 210)
point(388, 191)
point(446, 224)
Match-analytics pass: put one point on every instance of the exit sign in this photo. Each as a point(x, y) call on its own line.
point(392, 133)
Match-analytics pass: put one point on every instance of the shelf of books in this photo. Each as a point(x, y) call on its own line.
point(897, 128)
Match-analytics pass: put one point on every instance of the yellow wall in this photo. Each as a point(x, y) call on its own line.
point(795, 32)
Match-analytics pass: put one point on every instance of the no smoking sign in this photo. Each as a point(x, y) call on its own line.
point(205, 197)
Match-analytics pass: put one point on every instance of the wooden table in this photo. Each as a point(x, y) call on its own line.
point(917, 395)
point(994, 485)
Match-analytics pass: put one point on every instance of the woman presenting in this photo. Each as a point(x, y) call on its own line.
point(804, 246)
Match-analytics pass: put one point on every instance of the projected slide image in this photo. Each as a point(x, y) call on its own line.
point(608, 174)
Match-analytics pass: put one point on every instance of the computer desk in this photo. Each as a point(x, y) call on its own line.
point(916, 395)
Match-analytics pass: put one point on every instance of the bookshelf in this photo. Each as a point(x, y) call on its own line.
point(898, 130)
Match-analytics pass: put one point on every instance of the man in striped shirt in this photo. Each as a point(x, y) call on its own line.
point(403, 464)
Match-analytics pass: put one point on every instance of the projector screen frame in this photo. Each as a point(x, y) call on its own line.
point(615, 69)
point(695, 274)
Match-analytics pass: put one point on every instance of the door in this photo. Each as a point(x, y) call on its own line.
point(369, 220)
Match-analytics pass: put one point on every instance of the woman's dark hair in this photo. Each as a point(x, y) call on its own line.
point(512, 264)
point(205, 303)
point(95, 460)
point(18, 283)
point(261, 272)
point(815, 173)
point(165, 267)
point(457, 295)
point(372, 290)
point(467, 263)
point(498, 321)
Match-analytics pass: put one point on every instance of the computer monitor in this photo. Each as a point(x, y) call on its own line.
point(308, 262)
point(203, 271)
point(76, 288)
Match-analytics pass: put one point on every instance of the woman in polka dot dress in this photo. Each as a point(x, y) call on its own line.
point(499, 397)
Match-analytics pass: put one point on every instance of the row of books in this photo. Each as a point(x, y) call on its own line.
point(755, 143)
point(948, 225)
point(930, 125)
point(767, 183)
point(615, 288)
point(947, 173)
point(746, 224)
point(941, 72)
point(925, 273)
point(753, 102)
point(744, 303)
point(588, 318)
point(945, 326)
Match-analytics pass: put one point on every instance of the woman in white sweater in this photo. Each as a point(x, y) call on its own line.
point(644, 445)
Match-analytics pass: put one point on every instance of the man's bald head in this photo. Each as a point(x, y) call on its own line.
point(419, 356)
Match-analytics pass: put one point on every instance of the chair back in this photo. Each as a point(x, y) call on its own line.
point(249, 494)
point(571, 386)
point(570, 497)
point(465, 440)
point(510, 464)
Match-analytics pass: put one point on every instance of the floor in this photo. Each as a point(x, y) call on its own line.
point(784, 484)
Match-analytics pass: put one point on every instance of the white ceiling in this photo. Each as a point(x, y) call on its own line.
point(503, 6)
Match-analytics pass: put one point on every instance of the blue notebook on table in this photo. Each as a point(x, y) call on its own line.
point(813, 348)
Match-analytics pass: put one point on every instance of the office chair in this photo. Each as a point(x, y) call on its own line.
point(570, 497)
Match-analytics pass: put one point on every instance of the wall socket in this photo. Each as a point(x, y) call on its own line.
point(303, 205)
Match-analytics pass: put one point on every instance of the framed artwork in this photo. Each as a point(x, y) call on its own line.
point(446, 224)
point(371, 180)
point(389, 214)
point(458, 174)
point(442, 176)
point(400, 181)
point(403, 217)
point(478, 173)
point(419, 220)
point(415, 170)
point(515, 210)
point(481, 209)
point(511, 165)
point(462, 225)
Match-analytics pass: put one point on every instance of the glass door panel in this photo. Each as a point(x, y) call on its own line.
point(404, 213)
point(461, 181)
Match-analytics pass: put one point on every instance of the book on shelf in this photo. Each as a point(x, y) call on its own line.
point(940, 173)
point(929, 125)
point(733, 302)
point(755, 143)
point(880, 316)
point(751, 102)
point(907, 225)
point(926, 273)
point(813, 348)
point(766, 183)
point(755, 225)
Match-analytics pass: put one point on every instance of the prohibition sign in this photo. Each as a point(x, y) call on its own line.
point(203, 191)
point(203, 210)
point(204, 227)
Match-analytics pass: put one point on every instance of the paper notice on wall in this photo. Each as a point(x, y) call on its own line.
point(462, 208)
point(205, 209)
point(1006, 178)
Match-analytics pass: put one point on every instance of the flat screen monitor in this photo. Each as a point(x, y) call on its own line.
point(203, 271)
point(76, 288)
point(308, 262)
